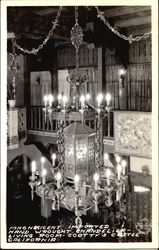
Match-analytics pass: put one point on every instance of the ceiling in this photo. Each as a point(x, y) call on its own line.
point(35, 22)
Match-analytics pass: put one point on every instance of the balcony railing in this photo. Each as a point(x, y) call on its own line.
point(38, 122)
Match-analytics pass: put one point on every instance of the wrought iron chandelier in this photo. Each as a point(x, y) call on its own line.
point(80, 176)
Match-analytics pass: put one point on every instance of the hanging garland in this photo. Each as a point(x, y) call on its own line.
point(130, 38)
point(34, 51)
point(100, 15)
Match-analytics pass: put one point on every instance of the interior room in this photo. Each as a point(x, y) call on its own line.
point(79, 110)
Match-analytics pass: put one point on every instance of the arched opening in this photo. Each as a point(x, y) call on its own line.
point(21, 210)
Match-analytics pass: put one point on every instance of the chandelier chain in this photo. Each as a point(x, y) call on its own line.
point(76, 14)
point(130, 38)
point(34, 51)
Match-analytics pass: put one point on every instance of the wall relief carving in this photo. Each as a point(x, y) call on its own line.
point(133, 133)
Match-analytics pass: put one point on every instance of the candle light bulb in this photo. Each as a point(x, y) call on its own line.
point(64, 99)
point(118, 158)
point(43, 172)
point(77, 178)
point(108, 173)
point(53, 159)
point(45, 99)
point(59, 97)
point(33, 166)
point(76, 182)
point(106, 156)
point(42, 159)
point(43, 175)
point(96, 179)
point(99, 98)
point(119, 169)
point(88, 97)
point(123, 163)
point(58, 176)
point(33, 169)
point(50, 98)
point(82, 100)
point(108, 98)
point(42, 162)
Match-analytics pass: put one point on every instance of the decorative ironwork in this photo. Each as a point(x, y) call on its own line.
point(80, 179)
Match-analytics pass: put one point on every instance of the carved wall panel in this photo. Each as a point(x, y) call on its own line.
point(133, 133)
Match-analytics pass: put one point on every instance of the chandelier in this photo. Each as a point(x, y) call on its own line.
point(80, 177)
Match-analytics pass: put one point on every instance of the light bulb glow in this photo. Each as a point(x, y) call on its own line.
point(59, 97)
point(119, 168)
point(42, 159)
point(108, 98)
point(58, 176)
point(88, 97)
point(50, 98)
point(43, 172)
point(33, 166)
point(106, 156)
point(108, 173)
point(64, 99)
point(123, 163)
point(45, 98)
point(99, 98)
point(82, 98)
point(118, 158)
point(76, 178)
point(96, 177)
point(53, 156)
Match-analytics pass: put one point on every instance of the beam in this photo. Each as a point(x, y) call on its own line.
point(47, 11)
point(119, 11)
point(132, 22)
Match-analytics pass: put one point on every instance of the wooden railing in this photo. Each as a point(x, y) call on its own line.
point(37, 122)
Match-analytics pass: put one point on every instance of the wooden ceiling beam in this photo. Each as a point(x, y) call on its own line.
point(44, 12)
point(119, 11)
point(132, 22)
point(138, 30)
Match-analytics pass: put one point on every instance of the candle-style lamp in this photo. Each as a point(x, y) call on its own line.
point(99, 100)
point(108, 174)
point(108, 99)
point(43, 176)
point(76, 183)
point(53, 159)
point(88, 97)
point(118, 159)
point(58, 179)
point(82, 101)
point(33, 170)
point(123, 163)
point(96, 181)
point(59, 99)
point(106, 158)
point(50, 98)
point(119, 170)
point(64, 101)
point(42, 162)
